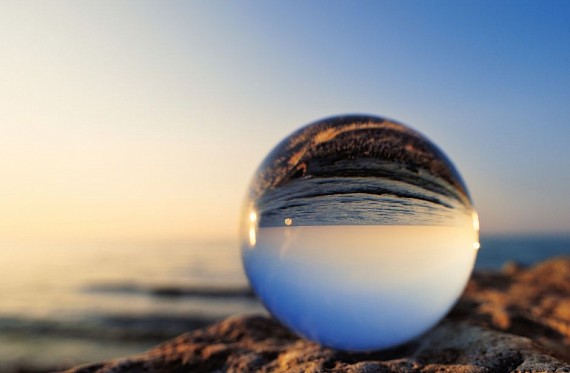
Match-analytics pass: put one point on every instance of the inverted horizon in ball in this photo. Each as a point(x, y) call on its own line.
point(358, 233)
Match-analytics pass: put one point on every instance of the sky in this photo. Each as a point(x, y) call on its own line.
point(145, 120)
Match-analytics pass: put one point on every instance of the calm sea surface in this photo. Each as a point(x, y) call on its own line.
point(66, 305)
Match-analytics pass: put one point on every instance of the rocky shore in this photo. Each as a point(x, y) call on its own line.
point(516, 320)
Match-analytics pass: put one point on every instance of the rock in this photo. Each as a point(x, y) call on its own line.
point(517, 320)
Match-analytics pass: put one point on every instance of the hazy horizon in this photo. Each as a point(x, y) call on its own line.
point(145, 121)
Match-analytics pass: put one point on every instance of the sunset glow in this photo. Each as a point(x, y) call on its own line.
point(135, 121)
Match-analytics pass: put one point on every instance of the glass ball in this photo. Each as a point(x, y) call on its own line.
point(358, 233)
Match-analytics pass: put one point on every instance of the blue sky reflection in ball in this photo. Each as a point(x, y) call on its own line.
point(358, 233)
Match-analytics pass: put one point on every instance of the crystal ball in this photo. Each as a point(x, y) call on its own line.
point(358, 233)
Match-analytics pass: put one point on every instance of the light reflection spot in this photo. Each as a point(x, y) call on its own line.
point(252, 217)
point(475, 221)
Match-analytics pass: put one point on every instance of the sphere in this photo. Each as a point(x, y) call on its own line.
point(358, 233)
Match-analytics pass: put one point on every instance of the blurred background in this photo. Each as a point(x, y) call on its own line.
point(130, 130)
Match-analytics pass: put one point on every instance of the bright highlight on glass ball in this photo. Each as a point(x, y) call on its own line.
point(358, 233)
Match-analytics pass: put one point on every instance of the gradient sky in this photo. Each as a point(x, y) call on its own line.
point(145, 120)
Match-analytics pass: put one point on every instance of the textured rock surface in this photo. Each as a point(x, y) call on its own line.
point(517, 320)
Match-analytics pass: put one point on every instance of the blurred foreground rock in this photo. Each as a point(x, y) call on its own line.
point(517, 320)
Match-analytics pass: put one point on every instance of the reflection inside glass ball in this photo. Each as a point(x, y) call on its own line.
point(358, 233)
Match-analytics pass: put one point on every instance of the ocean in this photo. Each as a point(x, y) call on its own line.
point(64, 305)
